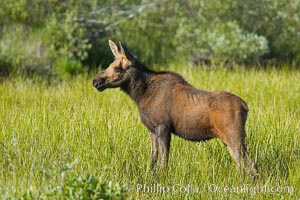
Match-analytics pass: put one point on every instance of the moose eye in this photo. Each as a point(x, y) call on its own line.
point(118, 69)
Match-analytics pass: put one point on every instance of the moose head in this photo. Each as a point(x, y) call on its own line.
point(118, 71)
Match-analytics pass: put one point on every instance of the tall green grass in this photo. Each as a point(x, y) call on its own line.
point(44, 127)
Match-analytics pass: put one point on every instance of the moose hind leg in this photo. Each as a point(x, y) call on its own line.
point(239, 153)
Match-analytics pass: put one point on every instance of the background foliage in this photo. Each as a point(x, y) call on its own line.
point(37, 36)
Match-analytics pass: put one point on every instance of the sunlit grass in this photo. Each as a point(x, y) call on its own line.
point(46, 126)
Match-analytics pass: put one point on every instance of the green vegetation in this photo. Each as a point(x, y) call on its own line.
point(44, 127)
point(60, 38)
point(61, 139)
point(59, 184)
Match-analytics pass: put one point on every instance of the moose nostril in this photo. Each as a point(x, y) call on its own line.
point(98, 81)
point(95, 83)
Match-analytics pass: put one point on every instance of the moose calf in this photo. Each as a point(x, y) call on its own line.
point(169, 104)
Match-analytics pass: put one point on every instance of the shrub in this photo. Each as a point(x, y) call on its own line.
point(64, 185)
point(160, 30)
point(183, 29)
point(33, 42)
point(229, 42)
point(23, 50)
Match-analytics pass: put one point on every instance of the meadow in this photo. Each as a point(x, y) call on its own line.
point(45, 127)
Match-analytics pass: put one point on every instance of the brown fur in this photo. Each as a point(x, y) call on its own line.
point(168, 104)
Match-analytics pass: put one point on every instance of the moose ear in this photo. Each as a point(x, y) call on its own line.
point(125, 51)
point(113, 48)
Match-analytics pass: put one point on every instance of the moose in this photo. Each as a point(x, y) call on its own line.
point(169, 104)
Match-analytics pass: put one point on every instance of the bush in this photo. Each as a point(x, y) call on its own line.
point(23, 50)
point(278, 21)
point(38, 34)
point(229, 42)
point(36, 42)
point(66, 186)
point(65, 66)
point(183, 29)
point(30, 52)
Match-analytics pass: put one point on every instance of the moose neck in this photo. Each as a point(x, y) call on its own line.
point(137, 86)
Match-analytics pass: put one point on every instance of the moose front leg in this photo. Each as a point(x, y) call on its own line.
point(163, 135)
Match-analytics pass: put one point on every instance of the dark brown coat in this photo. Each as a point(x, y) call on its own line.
point(168, 104)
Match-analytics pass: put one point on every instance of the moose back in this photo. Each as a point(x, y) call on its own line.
point(169, 104)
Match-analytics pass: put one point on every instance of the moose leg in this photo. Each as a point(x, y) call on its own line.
point(164, 138)
point(154, 149)
point(239, 153)
point(248, 163)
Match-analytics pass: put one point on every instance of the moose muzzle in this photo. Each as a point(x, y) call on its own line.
point(99, 83)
